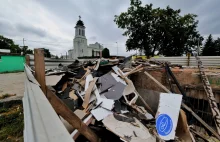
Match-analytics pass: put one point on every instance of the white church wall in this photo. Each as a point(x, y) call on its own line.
point(80, 47)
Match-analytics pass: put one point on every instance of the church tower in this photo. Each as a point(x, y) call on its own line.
point(80, 41)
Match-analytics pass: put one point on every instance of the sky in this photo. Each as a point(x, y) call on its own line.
point(50, 23)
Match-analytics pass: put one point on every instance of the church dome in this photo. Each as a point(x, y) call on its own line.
point(80, 23)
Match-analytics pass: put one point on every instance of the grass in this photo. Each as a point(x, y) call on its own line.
point(11, 124)
point(6, 96)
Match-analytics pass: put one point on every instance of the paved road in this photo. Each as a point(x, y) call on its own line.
point(12, 83)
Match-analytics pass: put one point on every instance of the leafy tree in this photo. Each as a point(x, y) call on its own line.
point(6, 43)
point(154, 29)
point(105, 53)
point(211, 47)
point(92, 53)
point(217, 45)
point(47, 53)
point(29, 51)
point(25, 50)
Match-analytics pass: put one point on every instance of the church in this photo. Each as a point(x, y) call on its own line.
point(80, 47)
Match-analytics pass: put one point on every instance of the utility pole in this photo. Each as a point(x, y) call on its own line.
point(117, 47)
point(198, 46)
point(23, 42)
point(66, 54)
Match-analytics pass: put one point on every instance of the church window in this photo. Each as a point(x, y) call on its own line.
point(79, 31)
point(83, 32)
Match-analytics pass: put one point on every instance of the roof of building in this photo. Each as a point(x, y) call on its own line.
point(80, 23)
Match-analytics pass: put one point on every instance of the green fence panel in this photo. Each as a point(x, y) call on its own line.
point(11, 63)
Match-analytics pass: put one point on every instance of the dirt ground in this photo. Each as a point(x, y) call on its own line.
point(12, 83)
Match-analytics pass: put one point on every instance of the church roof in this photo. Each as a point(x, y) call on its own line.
point(80, 23)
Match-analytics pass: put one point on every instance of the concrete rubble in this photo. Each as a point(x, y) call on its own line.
point(103, 96)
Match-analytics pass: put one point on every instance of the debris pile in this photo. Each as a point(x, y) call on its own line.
point(101, 94)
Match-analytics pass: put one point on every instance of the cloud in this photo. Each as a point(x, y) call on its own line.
point(31, 30)
point(50, 23)
point(92, 38)
point(5, 26)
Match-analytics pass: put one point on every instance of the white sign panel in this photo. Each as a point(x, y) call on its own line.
point(167, 115)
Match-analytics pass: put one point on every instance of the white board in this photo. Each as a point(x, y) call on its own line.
point(167, 115)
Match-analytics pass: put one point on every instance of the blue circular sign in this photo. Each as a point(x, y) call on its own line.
point(164, 124)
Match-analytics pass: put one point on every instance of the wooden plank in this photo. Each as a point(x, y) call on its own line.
point(40, 68)
point(130, 88)
point(60, 108)
point(88, 92)
point(27, 60)
point(70, 117)
point(182, 130)
point(72, 95)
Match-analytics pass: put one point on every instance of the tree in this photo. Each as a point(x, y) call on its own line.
point(47, 53)
point(217, 46)
point(105, 53)
point(211, 47)
point(92, 53)
point(6, 43)
point(154, 29)
point(25, 50)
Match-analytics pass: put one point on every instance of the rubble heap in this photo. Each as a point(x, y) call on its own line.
point(101, 94)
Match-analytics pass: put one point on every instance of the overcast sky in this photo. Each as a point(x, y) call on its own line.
point(50, 23)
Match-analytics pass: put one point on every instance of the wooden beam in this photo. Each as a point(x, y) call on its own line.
point(186, 107)
point(70, 117)
point(40, 68)
point(56, 103)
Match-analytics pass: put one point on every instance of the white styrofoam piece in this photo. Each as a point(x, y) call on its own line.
point(107, 103)
point(168, 113)
point(118, 79)
point(100, 113)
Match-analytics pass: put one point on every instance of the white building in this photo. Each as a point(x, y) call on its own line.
point(80, 47)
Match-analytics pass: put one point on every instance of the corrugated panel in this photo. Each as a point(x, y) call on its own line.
point(208, 61)
point(40, 120)
point(52, 63)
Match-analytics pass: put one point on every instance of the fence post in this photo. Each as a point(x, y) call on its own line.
point(188, 58)
point(27, 60)
point(40, 68)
